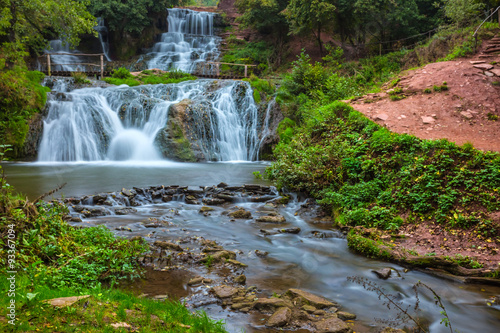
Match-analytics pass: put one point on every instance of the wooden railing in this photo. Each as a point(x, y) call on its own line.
point(49, 63)
point(217, 66)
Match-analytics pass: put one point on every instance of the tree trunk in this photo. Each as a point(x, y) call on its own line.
point(319, 40)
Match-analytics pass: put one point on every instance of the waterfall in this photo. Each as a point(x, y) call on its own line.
point(123, 123)
point(103, 37)
point(66, 61)
point(189, 41)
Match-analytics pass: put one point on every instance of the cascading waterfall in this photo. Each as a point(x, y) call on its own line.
point(103, 37)
point(66, 60)
point(189, 41)
point(122, 123)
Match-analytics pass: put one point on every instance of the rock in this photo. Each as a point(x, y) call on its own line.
point(271, 219)
point(168, 246)
point(346, 315)
point(489, 74)
point(220, 255)
point(125, 211)
point(241, 279)
point(392, 330)
point(121, 325)
point(198, 280)
point(484, 67)
point(213, 201)
point(128, 193)
point(466, 114)
point(239, 306)
point(280, 318)
point(263, 198)
point(381, 116)
point(311, 299)
point(206, 209)
point(270, 304)
point(477, 62)
point(383, 273)
point(240, 214)
point(236, 263)
point(99, 199)
point(136, 238)
point(428, 120)
point(261, 254)
point(309, 308)
point(160, 297)
point(332, 325)
point(167, 198)
point(225, 291)
point(95, 211)
point(495, 71)
point(75, 219)
point(222, 185)
point(64, 301)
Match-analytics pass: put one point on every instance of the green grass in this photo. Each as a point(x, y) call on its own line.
point(98, 312)
point(123, 76)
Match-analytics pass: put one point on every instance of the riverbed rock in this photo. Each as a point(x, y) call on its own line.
point(125, 211)
point(332, 325)
point(240, 214)
point(271, 219)
point(309, 308)
point(225, 291)
point(383, 273)
point(308, 298)
point(206, 209)
point(236, 263)
point(95, 211)
point(168, 246)
point(280, 318)
point(223, 256)
point(128, 193)
point(261, 254)
point(213, 201)
point(241, 279)
point(199, 280)
point(346, 315)
point(392, 330)
point(271, 304)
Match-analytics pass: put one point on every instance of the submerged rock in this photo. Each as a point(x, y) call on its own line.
point(168, 246)
point(240, 214)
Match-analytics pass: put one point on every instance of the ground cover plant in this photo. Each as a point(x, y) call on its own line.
point(122, 76)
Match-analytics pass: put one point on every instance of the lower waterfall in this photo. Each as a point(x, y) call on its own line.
point(122, 123)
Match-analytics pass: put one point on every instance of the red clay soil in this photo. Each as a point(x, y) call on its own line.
point(460, 114)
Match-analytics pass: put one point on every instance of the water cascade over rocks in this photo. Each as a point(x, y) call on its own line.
point(189, 42)
point(191, 121)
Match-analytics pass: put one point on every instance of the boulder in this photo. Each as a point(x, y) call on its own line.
point(271, 219)
point(225, 291)
point(346, 315)
point(168, 246)
point(332, 325)
point(383, 273)
point(240, 214)
point(271, 304)
point(280, 318)
point(125, 211)
point(206, 209)
point(311, 299)
point(241, 279)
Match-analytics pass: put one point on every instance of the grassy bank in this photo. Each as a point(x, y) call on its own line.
point(53, 259)
point(123, 76)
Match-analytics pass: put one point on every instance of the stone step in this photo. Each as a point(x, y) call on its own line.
point(497, 49)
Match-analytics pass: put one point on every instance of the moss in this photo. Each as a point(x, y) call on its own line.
point(367, 247)
point(182, 147)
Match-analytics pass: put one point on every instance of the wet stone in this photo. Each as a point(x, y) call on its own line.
point(199, 280)
point(225, 291)
point(240, 214)
point(332, 325)
point(168, 246)
point(280, 318)
point(206, 209)
point(261, 254)
point(270, 304)
point(213, 201)
point(271, 219)
point(236, 263)
point(125, 211)
point(311, 299)
point(346, 315)
point(241, 279)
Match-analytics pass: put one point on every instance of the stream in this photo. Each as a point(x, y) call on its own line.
point(316, 259)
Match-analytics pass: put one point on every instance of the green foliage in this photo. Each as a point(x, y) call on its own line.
point(80, 78)
point(257, 174)
point(263, 15)
point(286, 130)
point(463, 12)
point(369, 176)
point(121, 73)
point(242, 52)
point(129, 15)
point(21, 95)
point(492, 116)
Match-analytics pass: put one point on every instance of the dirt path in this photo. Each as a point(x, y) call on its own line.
point(466, 112)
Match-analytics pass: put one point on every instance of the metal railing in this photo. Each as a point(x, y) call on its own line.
point(482, 23)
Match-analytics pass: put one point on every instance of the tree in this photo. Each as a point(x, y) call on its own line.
point(263, 15)
point(27, 25)
point(129, 15)
point(310, 16)
point(463, 12)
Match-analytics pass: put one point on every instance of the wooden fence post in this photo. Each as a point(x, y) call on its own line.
point(380, 49)
point(48, 64)
point(217, 69)
point(246, 70)
point(102, 67)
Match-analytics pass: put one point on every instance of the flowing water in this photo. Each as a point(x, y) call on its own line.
point(189, 42)
point(66, 60)
point(103, 37)
point(122, 123)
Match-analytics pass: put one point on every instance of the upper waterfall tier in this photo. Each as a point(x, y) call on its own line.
point(189, 41)
point(194, 120)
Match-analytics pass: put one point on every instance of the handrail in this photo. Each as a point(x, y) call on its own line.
point(475, 32)
point(73, 54)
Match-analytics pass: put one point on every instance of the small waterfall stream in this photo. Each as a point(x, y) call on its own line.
point(189, 41)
